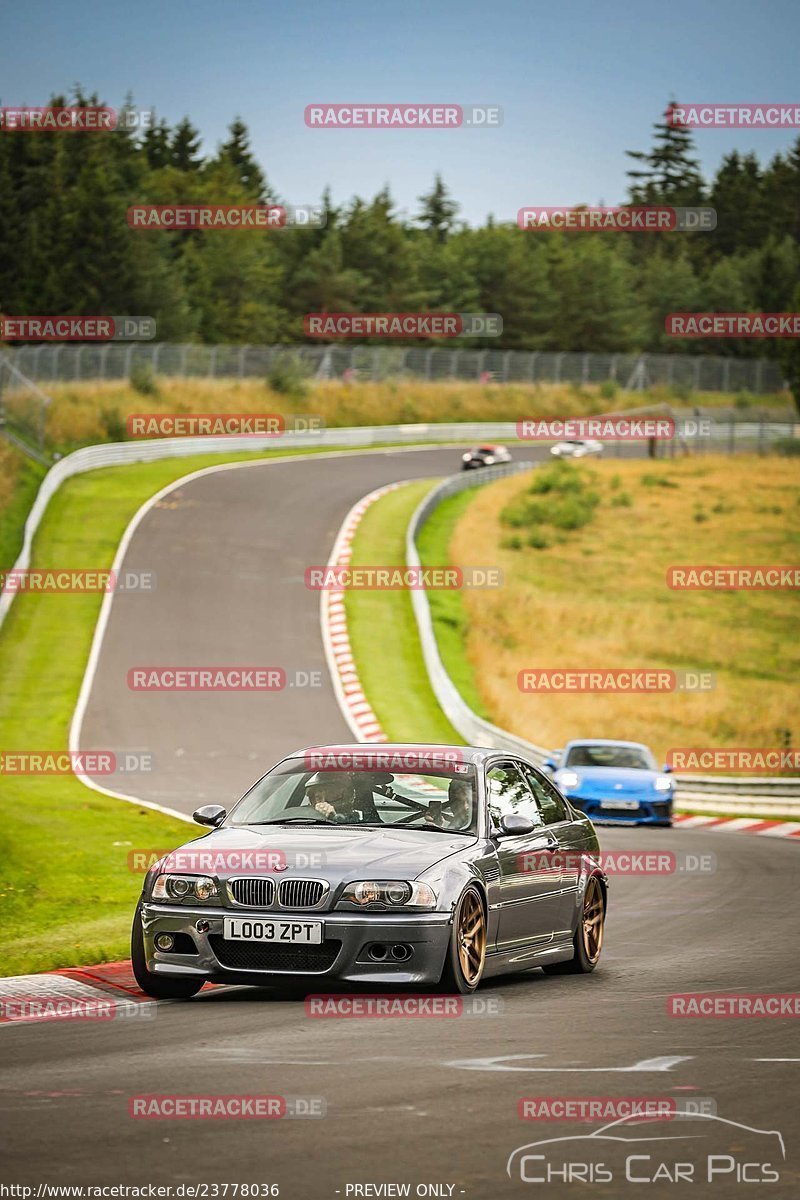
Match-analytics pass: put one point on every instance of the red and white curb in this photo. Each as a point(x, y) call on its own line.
point(101, 993)
point(780, 829)
point(355, 707)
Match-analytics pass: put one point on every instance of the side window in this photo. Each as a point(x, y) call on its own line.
point(550, 803)
point(507, 793)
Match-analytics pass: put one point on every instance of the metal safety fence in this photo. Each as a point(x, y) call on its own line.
point(116, 360)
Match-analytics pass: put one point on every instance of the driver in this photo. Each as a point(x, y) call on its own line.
point(333, 796)
point(459, 803)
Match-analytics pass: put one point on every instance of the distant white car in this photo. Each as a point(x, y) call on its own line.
point(576, 449)
point(484, 456)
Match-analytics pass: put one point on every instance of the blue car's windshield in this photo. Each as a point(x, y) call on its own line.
point(439, 800)
point(590, 754)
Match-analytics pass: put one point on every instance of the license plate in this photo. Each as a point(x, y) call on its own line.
point(245, 929)
point(619, 803)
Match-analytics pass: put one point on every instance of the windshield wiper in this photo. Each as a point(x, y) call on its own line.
point(292, 821)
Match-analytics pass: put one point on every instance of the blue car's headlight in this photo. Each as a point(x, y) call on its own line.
point(661, 784)
point(568, 779)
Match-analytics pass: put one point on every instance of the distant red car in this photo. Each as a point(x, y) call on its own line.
point(484, 456)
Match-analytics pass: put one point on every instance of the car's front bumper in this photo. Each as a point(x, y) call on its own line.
point(602, 810)
point(344, 954)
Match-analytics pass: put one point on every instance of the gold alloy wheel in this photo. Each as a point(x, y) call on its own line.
point(471, 938)
point(592, 920)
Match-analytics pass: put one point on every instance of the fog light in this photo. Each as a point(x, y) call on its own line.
point(203, 926)
point(164, 941)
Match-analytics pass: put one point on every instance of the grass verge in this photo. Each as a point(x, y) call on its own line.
point(448, 610)
point(19, 482)
point(383, 632)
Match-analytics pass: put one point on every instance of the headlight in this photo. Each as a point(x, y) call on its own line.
point(388, 893)
point(182, 887)
point(466, 457)
point(568, 779)
point(661, 784)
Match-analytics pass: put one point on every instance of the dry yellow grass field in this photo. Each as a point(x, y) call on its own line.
point(598, 598)
point(91, 412)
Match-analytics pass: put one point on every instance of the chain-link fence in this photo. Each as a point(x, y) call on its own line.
point(50, 363)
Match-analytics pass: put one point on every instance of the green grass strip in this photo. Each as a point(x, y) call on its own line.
point(383, 632)
point(448, 611)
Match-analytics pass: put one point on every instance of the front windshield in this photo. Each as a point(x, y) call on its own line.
point(442, 800)
point(637, 758)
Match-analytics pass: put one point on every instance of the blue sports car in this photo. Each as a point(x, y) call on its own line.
point(615, 782)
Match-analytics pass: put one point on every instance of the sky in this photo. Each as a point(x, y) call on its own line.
point(579, 84)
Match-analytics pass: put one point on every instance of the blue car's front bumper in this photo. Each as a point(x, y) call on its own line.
point(608, 810)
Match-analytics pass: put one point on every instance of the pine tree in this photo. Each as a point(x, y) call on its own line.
point(237, 153)
point(184, 147)
point(438, 211)
point(155, 145)
point(669, 174)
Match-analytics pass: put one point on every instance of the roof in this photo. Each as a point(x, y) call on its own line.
point(590, 741)
point(473, 754)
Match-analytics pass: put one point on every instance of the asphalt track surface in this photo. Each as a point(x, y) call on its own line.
point(417, 1101)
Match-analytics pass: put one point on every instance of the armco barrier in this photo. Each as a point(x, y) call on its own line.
point(774, 798)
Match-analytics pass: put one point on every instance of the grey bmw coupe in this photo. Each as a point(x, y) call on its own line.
point(377, 864)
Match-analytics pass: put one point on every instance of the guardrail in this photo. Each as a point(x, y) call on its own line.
point(770, 797)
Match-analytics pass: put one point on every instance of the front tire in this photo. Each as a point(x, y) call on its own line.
point(466, 953)
point(160, 987)
point(588, 940)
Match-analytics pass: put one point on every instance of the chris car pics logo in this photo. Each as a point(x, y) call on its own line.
point(684, 1147)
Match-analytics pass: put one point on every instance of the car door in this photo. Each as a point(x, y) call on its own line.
point(559, 824)
point(529, 880)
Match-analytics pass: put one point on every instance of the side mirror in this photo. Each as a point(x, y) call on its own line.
point(209, 814)
point(513, 825)
point(667, 769)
